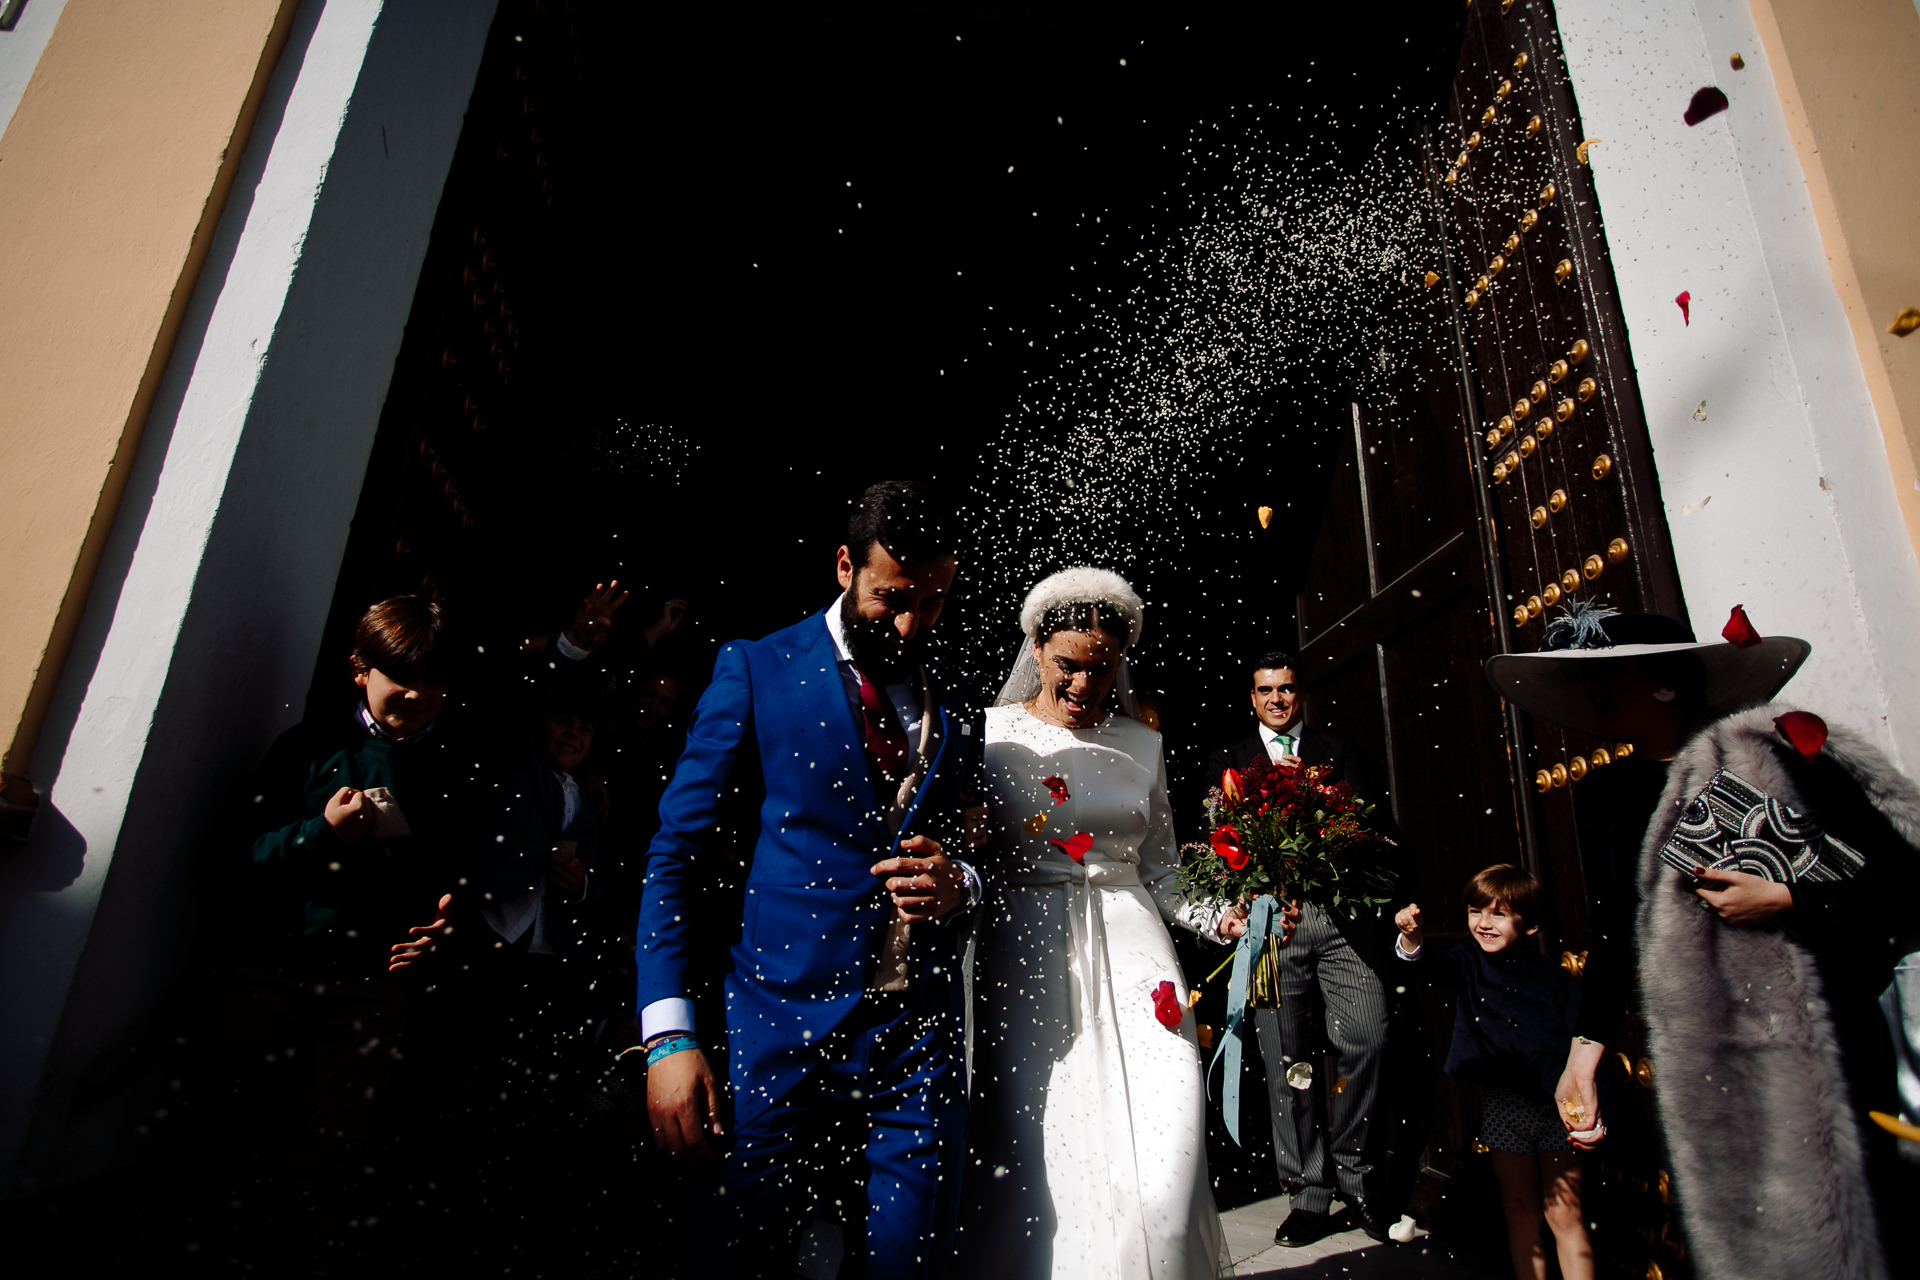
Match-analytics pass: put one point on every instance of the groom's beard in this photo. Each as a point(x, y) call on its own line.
point(876, 648)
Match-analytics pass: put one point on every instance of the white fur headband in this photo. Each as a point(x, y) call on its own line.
point(1084, 585)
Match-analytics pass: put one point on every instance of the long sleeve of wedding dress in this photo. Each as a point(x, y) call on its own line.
point(1160, 860)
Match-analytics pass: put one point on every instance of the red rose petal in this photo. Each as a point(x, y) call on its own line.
point(1682, 301)
point(1166, 1005)
point(1805, 730)
point(1076, 845)
point(1709, 101)
point(1739, 631)
point(1058, 787)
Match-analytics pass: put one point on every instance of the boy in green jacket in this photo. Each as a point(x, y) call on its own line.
point(355, 835)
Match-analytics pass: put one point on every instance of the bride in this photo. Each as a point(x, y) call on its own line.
point(1087, 1150)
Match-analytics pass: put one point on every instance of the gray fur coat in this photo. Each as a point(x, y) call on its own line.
point(1767, 1155)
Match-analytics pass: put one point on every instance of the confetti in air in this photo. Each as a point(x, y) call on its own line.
point(652, 450)
point(1264, 299)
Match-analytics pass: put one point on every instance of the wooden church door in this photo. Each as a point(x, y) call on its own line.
point(1503, 469)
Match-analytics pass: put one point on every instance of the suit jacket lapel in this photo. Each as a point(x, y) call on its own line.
point(1314, 748)
point(1247, 751)
point(822, 698)
point(939, 754)
point(553, 800)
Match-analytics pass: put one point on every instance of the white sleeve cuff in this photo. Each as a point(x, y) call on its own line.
point(675, 1013)
point(1399, 948)
point(569, 649)
point(1212, 929)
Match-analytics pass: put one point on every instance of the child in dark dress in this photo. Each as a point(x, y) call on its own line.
point(1513, 1018)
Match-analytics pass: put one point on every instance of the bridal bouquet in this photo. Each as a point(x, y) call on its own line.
point(1285, 830)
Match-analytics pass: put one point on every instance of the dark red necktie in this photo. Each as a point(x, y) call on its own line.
point(886, 741)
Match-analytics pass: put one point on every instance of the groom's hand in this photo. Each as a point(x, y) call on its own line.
point(925, 883)
point(683, 1106)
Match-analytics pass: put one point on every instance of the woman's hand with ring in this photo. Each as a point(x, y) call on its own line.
point(1740, 899)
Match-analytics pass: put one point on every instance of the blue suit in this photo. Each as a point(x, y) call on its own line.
point(805, 1036)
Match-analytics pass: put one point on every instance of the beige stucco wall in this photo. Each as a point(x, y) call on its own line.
point(1848, 73)
point(113, 172)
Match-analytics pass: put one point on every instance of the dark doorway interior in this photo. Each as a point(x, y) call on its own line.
point(699, 278)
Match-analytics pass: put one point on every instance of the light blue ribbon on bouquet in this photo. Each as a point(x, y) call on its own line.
point(1252, 942)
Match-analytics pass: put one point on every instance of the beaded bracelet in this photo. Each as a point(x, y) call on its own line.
point(670, 1046)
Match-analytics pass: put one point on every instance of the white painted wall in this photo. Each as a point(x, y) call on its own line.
point(20, 51)
point(1722, 210)
point(199, 636)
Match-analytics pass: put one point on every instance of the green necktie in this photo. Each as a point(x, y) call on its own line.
point(1286, 743)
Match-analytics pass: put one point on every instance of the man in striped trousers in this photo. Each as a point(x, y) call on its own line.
point(1330, 992)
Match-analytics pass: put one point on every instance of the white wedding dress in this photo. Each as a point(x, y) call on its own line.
point(1087, 1141)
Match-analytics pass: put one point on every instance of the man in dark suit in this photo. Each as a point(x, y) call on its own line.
point(1330, 970)
point(845, 1009)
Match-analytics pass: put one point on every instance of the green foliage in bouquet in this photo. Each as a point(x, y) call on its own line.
point(1286, 830)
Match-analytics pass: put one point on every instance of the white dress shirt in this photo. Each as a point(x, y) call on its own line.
point(908, 705)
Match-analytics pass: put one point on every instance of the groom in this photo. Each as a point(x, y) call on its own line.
point(845, 1008)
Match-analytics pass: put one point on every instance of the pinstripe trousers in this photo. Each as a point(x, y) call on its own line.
point(1321, 975)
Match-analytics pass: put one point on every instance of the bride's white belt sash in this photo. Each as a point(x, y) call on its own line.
point(1086, 924)
point(1099, 872)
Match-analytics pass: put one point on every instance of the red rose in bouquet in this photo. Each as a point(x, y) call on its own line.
point(1226, 843)
point(1287, 830)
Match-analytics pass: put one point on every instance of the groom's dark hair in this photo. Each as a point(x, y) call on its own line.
point(905, 518)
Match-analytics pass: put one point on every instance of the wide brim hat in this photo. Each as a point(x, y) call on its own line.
point(1550, 684)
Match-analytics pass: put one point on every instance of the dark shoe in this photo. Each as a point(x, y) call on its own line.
point(1375, 1225)
point(1302, 1228)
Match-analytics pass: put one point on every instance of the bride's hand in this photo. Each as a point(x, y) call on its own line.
point(1233, 923)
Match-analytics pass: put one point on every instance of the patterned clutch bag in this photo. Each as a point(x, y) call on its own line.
point(1733, 825)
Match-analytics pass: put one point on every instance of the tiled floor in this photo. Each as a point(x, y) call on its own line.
point(1348, 1255)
